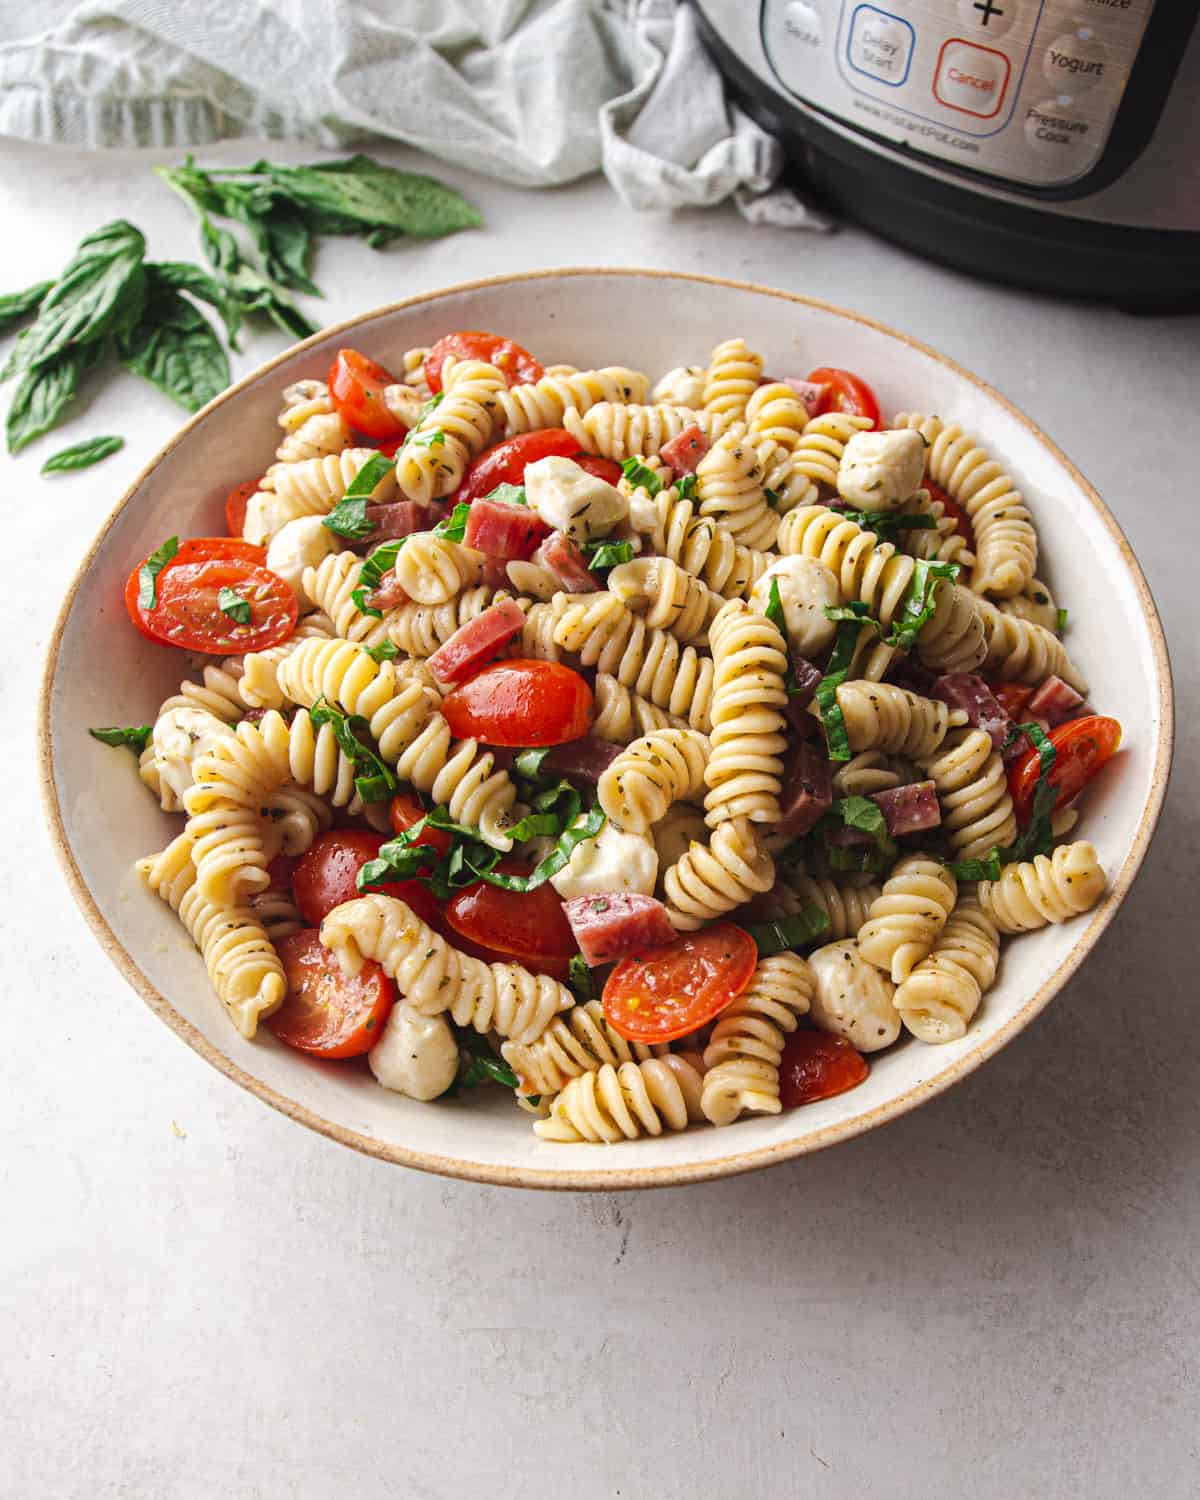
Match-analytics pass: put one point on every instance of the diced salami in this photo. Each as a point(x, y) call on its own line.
point(807, 793)
point(806, 675)
point(1018, 747)
point(559, 554)
point(684, 452)
point(477, 641)
point(811, 394)
point(504, 530)
point(1056, 701)
point(389, 595)
point(582, 760)
point(494, 574)
point(399, 518)
point(969, 692)
point(611, 927)
point(910, 809)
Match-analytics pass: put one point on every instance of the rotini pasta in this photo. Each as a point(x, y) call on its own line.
point(1046, 889)
point(729, 484)
point(881, 717)
point(907, 915)
point(546, 402)
point(667, 596)
point(741, 1060)
point(939, 998)
point(972, 788)
point(622, 1103)
point(439, 448)
point(709, 881)
point(663, 767)
point(748, 740)
point(733, 374)
point(579, 1041)
point(621, 430)
point(622, 716)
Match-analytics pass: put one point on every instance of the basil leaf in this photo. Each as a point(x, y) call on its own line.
point(508, 494)
point(1060, 621)
point(836, 740)
point(586, 828)
point(367, 194)
point(917, 605)
point(149, 571)
point(867, 817)
point(772, 497)
point(454, 527)
point(135, 738)
point(385, 651)
point(579, 977)
point(607, 554)
point(544, 821)
point(859, 860)
point(977, 869)
point(367, 480)
point(101, 291)
point(349, 518)
point(17, 305)
point(486, 1068)
point(640, 476)
point(685, 488)
point(231, 603)
point(887, 524)
point(43, 394)
point(434, 438)
point(175, 349)
point(375, 781)
point(82, 455)
point(371, 574)
point(257, 295)
point(529, 762)
point(184, 277)
point(285, 243)
point(789, 933)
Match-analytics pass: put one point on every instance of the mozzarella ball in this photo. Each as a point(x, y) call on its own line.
point(853, 998)
point(266, 514)
point(180, 735)
point(881, 470)
point(611, 862)
point(570, 499)
point(416, 1055)
point(682, 386)
point(806, 587)
point(300, 544)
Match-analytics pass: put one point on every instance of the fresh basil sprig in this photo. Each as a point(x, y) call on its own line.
point(231, 603)
point(349, 518)
point(44, 394)
point(17, 305)
point(845, 644)
point(641, 477)
point(886, 524)
point(606, 554)
point(82, 455)
point(579, 977)
point(454, 527)
point(375, 781)
point(789, 933)
point(135, 738)
point(586, 827)
point(774, 613)
point(685, 487)
point(149, 571)
point(385, 651)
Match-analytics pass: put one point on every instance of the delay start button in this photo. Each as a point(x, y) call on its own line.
point(880, 45)
point(971, 79)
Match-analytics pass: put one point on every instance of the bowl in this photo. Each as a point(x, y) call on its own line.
point(100, 671)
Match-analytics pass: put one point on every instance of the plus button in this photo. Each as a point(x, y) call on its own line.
point(987, 10)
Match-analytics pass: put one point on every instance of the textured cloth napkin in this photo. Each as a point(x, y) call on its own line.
point(534, 92)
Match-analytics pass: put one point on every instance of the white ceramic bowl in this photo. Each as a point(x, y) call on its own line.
point(100, 671)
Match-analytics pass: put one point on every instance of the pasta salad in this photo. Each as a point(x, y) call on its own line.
point(657, 753)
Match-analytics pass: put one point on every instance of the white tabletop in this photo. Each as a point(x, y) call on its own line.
point(996, 1296)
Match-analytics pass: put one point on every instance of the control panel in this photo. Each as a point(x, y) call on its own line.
point(1024, 90)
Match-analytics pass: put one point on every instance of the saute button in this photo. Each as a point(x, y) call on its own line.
point(1076, 62)
point(971, 79)
point(802, 22)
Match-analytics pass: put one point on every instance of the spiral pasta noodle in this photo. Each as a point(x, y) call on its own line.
point(312, 428)
point(439, 448)
point(667, 596)
point(1036, 605)
point(729, 486)
point(741, 1060)
point(818, 454)
point(776, 415)
point(434, 977)
point(579, 1041)
point(310, 487)
point(748, 721)
point(545, 402)
point(943, 542)
point(846, 905)
point(622, 1103)
point(663, 767)
point(697, 544)
point(939, 998)
point(972, 787)
point(908, 914)
point(623, 716)
point(259, 682)
point(869, 771)
point(1020, 650)
point(882, 717)
point(733, 374)
point(1047, 889)
point(710, 880)
point(419, 629)
point(621, 430)
point(432, 570)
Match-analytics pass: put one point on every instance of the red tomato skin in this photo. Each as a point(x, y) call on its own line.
point(817, 1065)
point(504, 463)
point(671, 991)
point(521, 703)
point(951, 507)
point(235, 506)
point(186, 613)
point(514, 924)
point(281, 869)
point(1012, 697)
point(357, 384)
point(327, 876)
point(325, 1012)
point(847, 393)
point(405, 810)
point(194, 549)
point(1082, 746)
point(515, 363)
point(601, 468)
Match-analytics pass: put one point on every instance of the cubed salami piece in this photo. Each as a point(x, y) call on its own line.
point(1056, 701)
point(566, 562)
point(476, 642)
point(909, 809)
point(684, 452)
point(612, 927)
point(968, 691)
point(807, 793)
point(502, 530)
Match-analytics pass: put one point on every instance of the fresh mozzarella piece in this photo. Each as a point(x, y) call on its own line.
point(573, 501)
point(806, 588)
point(643, 513)
point(612, 861)
point(303, 543)
point(180, 735)
point(266, 514)
point(416, 1055)
point(881, 470)
point(682, 386)
point(853, 998)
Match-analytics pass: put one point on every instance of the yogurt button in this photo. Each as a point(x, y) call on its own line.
point(1076, 62)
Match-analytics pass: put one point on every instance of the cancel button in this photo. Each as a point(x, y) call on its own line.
point(971, 79)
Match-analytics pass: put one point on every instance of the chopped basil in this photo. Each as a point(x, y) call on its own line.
point(1038, 835)
point(789, 933)
point(886, 524)
point(529, 762)
point(135, 738)
point(773, 498)
point(586, 828)
point(555, 808)
point(859, 860)
point(640, 476)
point(508, 494)
point(371, 574)
point(989, 868)
point(231, 603)
point(1060, 620)
point(82, 455)
point(606, 554)
point(685, 487)
point(867, 817)
point(775, 614)
point(349, 518)
point(484, 1067)
point(385, 651)
point(836, 740)
point(434, 438)
point(579, 977)
point(17, 305)
point(454, 527)
point(365, 482)
point(375, 781)
point(916, 607)
point(149, 571)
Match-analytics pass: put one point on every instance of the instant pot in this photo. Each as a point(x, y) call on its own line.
point(1051, 143)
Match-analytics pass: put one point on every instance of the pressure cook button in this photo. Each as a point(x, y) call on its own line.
point(880, 45)
point(971, 79)
point(1077, 62)
point(1054, 132)
point(986, 18)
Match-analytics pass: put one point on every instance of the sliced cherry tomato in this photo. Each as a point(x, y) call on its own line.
point(1012, 697)
point(962, 521)
point(816, 1065)
point(504, 463)
point(516, 364)
point(521, 703)
point(1082, 746)
point(601, 468)
point(328, 871)
point(188, 613)
point(235, 506)
point(195, 549)
point(514, 926)
point(326, 1012)
point(847, 393)
point(281, 869)
point(407, 810)
point(357, 384)
point(675, 989)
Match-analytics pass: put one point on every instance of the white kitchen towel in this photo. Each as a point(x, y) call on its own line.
point(534, 92)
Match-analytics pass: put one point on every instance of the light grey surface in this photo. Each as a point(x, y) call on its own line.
point(995, 1296)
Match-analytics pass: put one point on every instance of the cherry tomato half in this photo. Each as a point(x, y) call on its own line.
point(504, 463)
point(405, 810)
point(847, 393)
point(326, 1012)
point(525, 927)
point(235, 506)
point(195, 549)
point(357, 384)
point(521, 703)
point(328, 871)
point(188, 613)
point(601, 468)
point(962, 521)
point(816, 1065)
point(1082, 745)
point(675, 989)
point(516, 364)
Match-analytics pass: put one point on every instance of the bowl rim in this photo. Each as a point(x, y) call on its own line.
point(622, 1178)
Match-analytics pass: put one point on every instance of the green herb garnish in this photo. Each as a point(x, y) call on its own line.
point(886, 524)
point(789, 933)
point(149, 571)
point(605, 554)
point(640, 476)
point(135, 738)
point(374, 781)
point(385, 651)
point(454, 527)
point(82, 455)
point(834, 721)
point(372, 573)
point(685, 488)
point(1060, 620)
point(231, 603)
point(579, 977)
point(434, 438)
point(349, 518)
